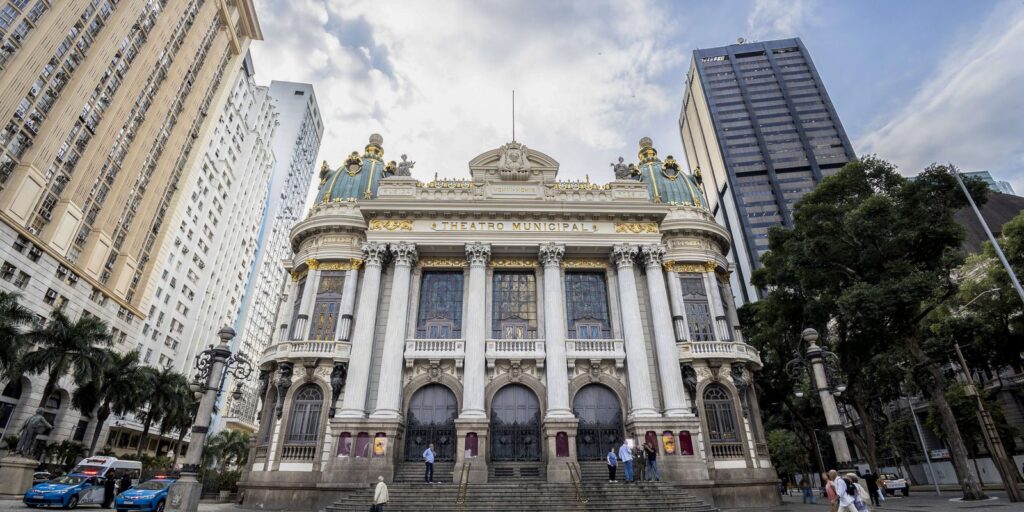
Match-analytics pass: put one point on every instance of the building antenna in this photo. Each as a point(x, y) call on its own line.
point(513, 115)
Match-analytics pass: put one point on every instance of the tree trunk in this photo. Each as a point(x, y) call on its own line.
point(810, 434)
point(51, 384)
point(177, 447)
point(145, 436)
point(870, 436)
point(969, 482)
point(101, 418)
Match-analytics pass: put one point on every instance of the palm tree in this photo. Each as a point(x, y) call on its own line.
point(114, 389)
point(182, 421)
point(12, 342)
point(178, 414)
point(63, 346)
point(229, 447)
point(163, 389)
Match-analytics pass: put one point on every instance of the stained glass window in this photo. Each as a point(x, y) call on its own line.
point(586, 305)
point(440, 311)
point(514, 305)
point(299, 288)
point(304, 421)
point(324, 320)
point(698, 310)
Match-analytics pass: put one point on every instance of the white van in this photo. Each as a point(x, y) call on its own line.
point(101, 465)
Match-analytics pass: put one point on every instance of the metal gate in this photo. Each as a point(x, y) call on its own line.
point(594, 440)
point(515, 425)
point(600, 426)
point(418, 437)
point(431, 419)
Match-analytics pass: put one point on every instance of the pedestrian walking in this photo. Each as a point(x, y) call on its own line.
point(830, 490)
point(861, 500)
point(871, 480)
point(108, 491)
point(428, 459)
point(380, 495)
point(626, 456)
point(652, 462)
point(808, 491)
point(611, 460)
point(846, 491)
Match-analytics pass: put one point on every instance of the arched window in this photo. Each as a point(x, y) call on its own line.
point(328, 303)
point(9, 401)
point(440, 314)
point(514, 305)
point(721, 419)
point(586, 305)
point(304, 421)
point(51, 408)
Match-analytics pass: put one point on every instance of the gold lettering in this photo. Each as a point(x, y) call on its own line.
point(501, 226)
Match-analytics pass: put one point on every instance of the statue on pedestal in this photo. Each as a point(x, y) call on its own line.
point(34, 427)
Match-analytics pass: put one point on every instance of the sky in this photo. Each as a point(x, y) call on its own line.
point(915, 82)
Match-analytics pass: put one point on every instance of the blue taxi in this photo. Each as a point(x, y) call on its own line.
point(150, 495)
point(66, 491)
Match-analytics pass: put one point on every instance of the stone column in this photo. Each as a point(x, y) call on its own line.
point(474, 367)
point(389, 389)
point(664, 342)
point(828, 404)
point(288, 310)
point(354, 403)
point(300, 331)
point(640, 394)
point(717, 306)
point(343, 332)
point(675, 299)
point(554, 316)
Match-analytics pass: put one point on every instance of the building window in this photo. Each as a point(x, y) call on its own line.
point(514, 305)
point(440, 310)
point(7, 271)
point(22, 280)
point(79, 434)
point(9, 401)
point(586, 305)
point(299, 289)
point(50, 297)
point(721, 418)
point(328, 303)
point(304, 420)
point(698, 310)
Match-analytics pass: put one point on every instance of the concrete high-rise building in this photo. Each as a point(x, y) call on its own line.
point(106, 104)
point(758, 124)
point(296, 144)
point(996, 185)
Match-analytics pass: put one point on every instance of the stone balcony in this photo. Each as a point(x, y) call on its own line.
point(595, 350)
point(434, 350)
point(306, 349)
point(515, 350)
point(728, 350)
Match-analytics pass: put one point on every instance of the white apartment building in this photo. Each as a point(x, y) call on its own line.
point(296, 144)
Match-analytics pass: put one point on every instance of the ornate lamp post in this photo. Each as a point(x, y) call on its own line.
point(214, 365)
point(823, 368)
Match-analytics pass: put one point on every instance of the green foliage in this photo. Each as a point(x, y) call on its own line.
point(112, 388)
point(10, 442)
point(164, 390)
point(13, 319)
point(65, 453)
point(228, 480)
point(965, 410)
point(63, 346)
point(227, 448)
point(789, 454)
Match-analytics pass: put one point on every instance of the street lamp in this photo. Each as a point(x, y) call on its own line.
point(213, 366)
point(822, 366)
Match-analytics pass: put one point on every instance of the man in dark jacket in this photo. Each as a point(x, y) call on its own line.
point(108, 490)
point(872, 481)
point(126, 482)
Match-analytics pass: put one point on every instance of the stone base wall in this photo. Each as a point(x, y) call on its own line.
point(745, 488)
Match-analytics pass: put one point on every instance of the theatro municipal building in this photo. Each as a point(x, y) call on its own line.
point(519, 323)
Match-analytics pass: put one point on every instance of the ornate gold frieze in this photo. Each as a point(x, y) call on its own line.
point(448, 184)
point(351, 264)
point(578, 185)
point(299, 274)
point(514, 263)
point(689, 267)
point(636, 228)
point(584, 263)
point(437, 262)
point(390, 225)
point(312, 264)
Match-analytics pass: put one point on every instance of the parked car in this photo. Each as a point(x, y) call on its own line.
point(150, 496)
point(66, 491)
point(892, 484)
point(40, 477)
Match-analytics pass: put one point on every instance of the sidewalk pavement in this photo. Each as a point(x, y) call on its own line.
point(916, 502)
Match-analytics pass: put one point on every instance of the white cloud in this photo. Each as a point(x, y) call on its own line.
point(435, 78)
point(968, 111)
point(775, 19)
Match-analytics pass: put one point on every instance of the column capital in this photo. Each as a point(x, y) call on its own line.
point(652, 254)
point(550, 254)
point(404, 253)
point(374, 253)
point(478, 254)
point(623, 254)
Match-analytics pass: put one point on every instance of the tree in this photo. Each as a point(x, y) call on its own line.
point(788, 454)
point(113, 389)
point(163, 391)
point(13, 317)
point(179, 415)
point(228, 448)
point(873, 255)
point(63, 346)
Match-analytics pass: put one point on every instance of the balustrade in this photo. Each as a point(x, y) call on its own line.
point(434, 349)
point(723, 451)
point(518, 349)
point(284, 350)
point(594, 349)
point(690, 350)
point(305, 452)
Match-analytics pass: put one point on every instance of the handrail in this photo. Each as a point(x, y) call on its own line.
point(461, 497)
point(581, 495)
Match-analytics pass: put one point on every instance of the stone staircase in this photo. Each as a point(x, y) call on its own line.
point(410, 472)
point(517, 471)
point(514, 496)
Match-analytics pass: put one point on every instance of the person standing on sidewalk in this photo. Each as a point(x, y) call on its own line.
point(428, 459)
point(871, 480)
point(652, 462)
point(611, 460)
point(380, 495)
point(808, 491)
point(626, 456)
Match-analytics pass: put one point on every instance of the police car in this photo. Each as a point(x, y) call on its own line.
point(151, 495)
point(66, 491)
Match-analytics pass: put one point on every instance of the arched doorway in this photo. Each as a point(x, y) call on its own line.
point(515, 424)
point(722, 431)
point(9, 400)
point(600, 425)
point(431, 419)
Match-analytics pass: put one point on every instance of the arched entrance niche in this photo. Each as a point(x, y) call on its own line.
point(600, 425)
point(515, 424)
point(431, 419)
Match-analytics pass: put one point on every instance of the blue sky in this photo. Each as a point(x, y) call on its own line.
point(913, 81)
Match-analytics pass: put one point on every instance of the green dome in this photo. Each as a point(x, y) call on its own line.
point(666, 182)
point(358, 178)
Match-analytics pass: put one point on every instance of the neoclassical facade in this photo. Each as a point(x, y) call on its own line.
point(519, 323)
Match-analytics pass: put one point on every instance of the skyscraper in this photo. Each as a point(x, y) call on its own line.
point(107, 103)
point(296, 143)
point(758, 124)
point(1001, 186)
